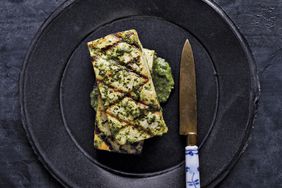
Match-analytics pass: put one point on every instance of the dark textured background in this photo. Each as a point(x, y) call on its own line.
point(259, 21)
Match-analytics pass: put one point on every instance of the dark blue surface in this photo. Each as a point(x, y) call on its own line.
point(260, 22)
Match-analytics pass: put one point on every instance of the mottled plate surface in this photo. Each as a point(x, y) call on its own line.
point(57, 79)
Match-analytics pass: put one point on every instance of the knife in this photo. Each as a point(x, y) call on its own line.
point(188, 115)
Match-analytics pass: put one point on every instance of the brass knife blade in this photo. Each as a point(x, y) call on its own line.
point(187, 95)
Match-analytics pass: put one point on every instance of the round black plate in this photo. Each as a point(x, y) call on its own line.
point(57, 78)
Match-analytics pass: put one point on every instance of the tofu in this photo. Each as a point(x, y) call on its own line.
point(105, 133)
point(128, 109)
point(150, 57)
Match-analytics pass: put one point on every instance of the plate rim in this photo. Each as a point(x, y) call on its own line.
point(253, 102)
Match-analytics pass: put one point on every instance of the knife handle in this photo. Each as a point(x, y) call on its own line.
point(192, 167)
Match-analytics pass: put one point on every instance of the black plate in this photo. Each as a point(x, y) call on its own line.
point(57, 78)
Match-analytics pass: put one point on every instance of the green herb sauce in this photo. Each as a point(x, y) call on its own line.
point(162, 79)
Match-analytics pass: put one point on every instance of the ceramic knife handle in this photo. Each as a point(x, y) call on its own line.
point(192, 167)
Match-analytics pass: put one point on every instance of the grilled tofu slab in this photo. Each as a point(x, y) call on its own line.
point(104, 134)
point(128, 109)
point(103, 138)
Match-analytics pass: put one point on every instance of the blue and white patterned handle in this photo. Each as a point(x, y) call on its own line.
point(192, 167)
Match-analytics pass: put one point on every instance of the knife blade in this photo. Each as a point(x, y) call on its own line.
point(187, 95)
point(188, 115)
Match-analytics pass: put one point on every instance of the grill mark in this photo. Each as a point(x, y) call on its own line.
point(108, 139)
point(97, 130)
point(108, 142)
point(136, 45)
point(138, 102)
point(130, 69)
point(121, 120)
point(141, 102)
point(127, 94)
point(103, 137)
point(103, 50)
point(109, 47)
point(130, 124)
point(128, 35)
point(125, 66)
point(94, 59)
point(111, 87)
